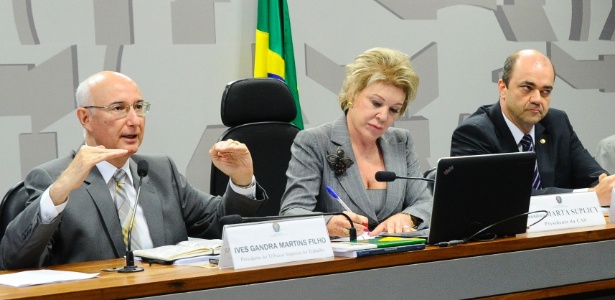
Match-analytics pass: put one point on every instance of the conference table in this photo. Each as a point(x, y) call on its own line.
point(576, 261)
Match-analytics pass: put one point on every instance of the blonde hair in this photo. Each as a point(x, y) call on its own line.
point(379, 65)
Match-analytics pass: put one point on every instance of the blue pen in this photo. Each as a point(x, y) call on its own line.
point(334, 195)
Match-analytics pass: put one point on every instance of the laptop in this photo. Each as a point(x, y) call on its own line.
point(473, 192)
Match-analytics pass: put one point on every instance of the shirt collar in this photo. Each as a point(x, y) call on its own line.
point(107, 170)
point(516, 132)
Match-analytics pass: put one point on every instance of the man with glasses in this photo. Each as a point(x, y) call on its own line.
point(77, 203)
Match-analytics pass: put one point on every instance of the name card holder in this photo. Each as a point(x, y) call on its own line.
point(571, 210)
point(257, 244)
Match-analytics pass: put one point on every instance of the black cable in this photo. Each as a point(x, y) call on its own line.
point(465, 240)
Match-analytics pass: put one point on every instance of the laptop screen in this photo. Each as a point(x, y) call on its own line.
point(472, 192)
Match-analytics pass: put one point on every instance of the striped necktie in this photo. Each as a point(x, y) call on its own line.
point(124, 208)
point(527, 144)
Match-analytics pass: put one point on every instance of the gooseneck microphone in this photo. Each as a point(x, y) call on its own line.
point(387, 176)
point(142, 169)
point(236, 219)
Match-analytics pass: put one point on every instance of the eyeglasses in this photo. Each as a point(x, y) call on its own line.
point(121, 109)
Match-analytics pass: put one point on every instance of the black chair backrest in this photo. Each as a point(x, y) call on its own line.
point(13, 203)
point(258, 112)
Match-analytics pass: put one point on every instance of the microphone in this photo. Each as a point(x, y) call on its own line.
point(142, 169)
point(237, 219)
point(230, 220)
point(391, 176)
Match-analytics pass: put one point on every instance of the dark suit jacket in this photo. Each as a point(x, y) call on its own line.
point(564, 164)
point(89, 228)
point(309, 174)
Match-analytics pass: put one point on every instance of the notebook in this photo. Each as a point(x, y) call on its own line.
point(472, 192)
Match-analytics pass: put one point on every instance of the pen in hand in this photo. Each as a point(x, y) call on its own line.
point(346, 208)
point(334, 195)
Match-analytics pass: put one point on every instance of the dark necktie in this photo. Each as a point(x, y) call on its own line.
point(528, 145)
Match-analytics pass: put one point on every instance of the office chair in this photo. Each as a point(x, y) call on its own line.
point(12, 204)
point(258, 112)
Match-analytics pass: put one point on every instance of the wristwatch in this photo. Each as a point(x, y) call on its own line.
point(415, 221)
point(253, 183)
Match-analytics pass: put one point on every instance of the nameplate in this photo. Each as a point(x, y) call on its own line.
point(571, 210)
point(250, 245)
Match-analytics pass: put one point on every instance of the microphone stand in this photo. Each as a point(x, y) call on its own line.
point(130, 257)
point(416, 178)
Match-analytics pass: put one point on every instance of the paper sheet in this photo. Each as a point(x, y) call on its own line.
point(27, 278)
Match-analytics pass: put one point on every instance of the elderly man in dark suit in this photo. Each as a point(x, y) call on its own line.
point(77, 203)
point(522, 116)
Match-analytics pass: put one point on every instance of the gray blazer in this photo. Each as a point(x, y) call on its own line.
point(89, 229)
point(309, 173)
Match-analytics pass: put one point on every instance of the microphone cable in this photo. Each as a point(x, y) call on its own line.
point(473, 236)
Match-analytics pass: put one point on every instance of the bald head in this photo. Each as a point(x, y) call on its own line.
point(527, 56)
point(525, 88)
point(88, 89)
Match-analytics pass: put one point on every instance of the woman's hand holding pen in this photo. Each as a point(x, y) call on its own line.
point(339, 226)
point(397, 223)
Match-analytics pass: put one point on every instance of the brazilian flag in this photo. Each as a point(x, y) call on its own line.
point(274, 55)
